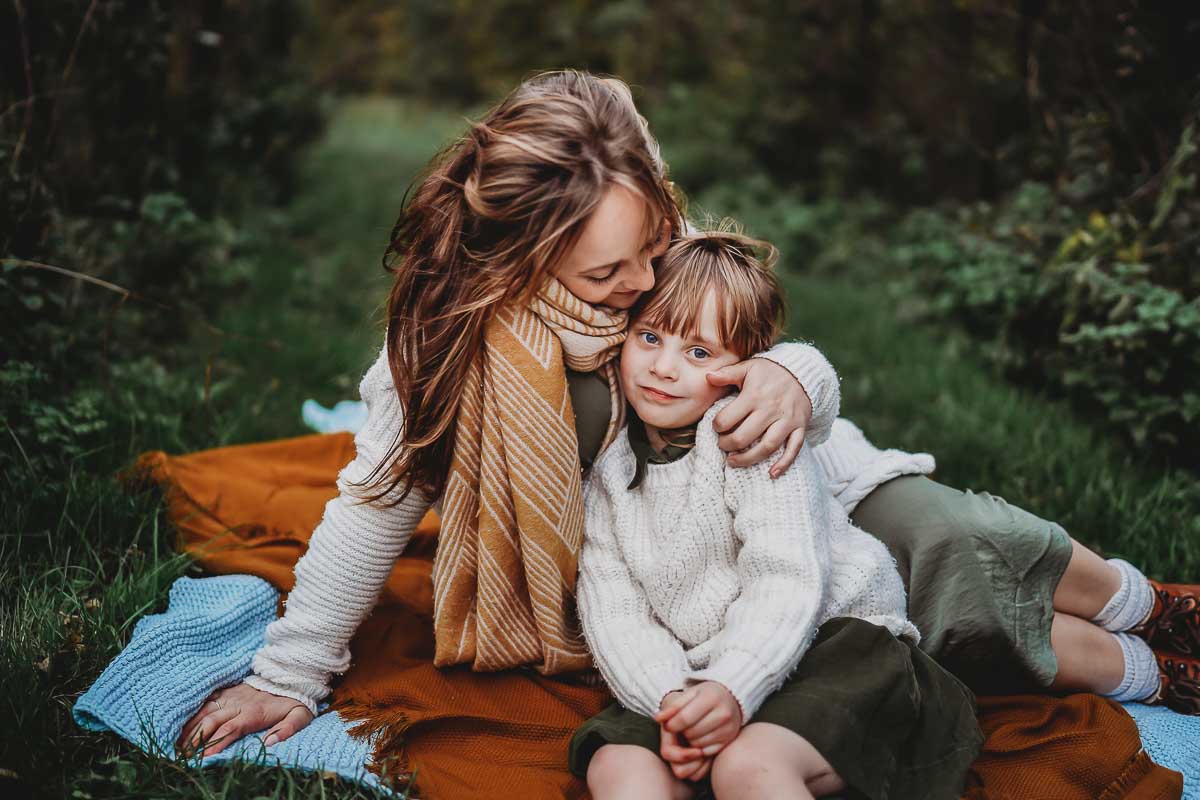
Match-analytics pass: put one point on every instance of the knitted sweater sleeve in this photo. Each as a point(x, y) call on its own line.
point(349, 558)
point(783, 526)
point(819, 381)
point(639, 658)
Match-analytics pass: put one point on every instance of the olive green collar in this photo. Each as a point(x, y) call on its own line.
point(680, 442)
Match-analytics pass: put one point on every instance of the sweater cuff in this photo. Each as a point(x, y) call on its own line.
point(261, 683)
point(819, 381)
point(747, 679)
point(641, 686)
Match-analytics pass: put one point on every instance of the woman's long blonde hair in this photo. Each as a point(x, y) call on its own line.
point(492, 216)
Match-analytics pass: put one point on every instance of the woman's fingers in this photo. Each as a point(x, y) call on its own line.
point(234, 712)
point(794, 443)
point(195, 724)
point(772, 439)
point(296, 719)
point(210, 706)
point(228, 733)
point(185, 734)
point(733, 375)
point(731, 416)
point(204, 730)
point(744, 435)
point(772, 406)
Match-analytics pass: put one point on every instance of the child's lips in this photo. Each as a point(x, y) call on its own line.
point(655, 394)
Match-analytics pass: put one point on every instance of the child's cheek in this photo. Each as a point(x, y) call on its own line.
point(712, 394)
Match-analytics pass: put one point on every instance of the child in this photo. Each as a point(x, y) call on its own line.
point(751, 634)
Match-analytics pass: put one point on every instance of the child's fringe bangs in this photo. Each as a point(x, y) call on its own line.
point(734, 268)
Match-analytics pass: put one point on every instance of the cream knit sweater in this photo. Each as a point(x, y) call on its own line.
point(353, 548)
point(707, 572)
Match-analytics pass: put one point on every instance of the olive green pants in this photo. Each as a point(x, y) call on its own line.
point(980, 575)
point(891, 722)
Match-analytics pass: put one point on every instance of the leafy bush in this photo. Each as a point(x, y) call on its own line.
point(131, 134)
point(1104, 306)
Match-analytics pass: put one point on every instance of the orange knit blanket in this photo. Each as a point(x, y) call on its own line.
point(466, 735)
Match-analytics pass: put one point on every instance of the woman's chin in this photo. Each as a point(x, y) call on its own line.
point(621, 301)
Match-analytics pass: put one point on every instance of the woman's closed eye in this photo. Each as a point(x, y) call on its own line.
point(605, 278)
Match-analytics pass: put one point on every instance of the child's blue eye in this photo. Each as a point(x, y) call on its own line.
point(699, 353)
point(648, 337)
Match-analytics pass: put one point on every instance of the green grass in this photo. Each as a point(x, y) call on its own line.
point(81, 561)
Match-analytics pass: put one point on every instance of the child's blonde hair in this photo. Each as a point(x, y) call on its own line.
point(739, 270)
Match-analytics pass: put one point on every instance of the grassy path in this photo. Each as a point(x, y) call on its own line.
point(307, 325)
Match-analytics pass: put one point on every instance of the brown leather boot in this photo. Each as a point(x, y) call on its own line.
point(1180, 690)
point(1174, 622)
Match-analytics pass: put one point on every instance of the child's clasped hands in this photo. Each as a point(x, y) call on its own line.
point(695, 724)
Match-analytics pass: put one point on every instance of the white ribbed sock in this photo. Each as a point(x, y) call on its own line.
point(1141, 681)
point(1132, 603)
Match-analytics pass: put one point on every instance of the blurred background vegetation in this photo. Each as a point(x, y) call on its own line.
point(969, 195)
point(1048, 148)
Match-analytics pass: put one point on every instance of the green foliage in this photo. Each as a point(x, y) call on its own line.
point(282, 314)
point(913, 100)
point(1101, 305)
point(132, 133)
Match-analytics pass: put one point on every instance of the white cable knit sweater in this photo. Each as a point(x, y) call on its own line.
point(710, 572)
point(353, 548)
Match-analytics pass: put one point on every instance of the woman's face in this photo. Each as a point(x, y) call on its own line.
point(610, 264)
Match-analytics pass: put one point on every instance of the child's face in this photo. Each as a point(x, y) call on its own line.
point(663, 373)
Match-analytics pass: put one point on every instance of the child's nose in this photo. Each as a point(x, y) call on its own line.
point(664, 365)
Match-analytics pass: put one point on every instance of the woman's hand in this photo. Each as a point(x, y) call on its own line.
point(771, 408)
point(706, 715)
point(229, 714)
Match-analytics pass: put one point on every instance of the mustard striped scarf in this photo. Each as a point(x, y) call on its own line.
point(512, 511)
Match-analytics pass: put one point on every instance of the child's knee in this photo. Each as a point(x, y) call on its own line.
point(607, 761)
point(615, 765)
point(764, 749)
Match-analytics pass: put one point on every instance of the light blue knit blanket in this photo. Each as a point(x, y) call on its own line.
point(204, 641)
point(212, 627)
point(1172, 740)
